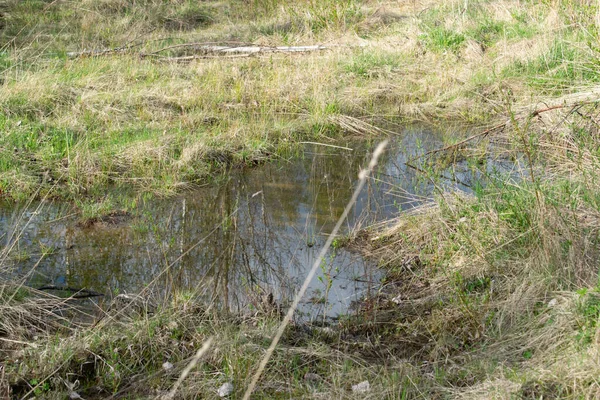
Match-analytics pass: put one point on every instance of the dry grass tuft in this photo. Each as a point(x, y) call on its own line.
point(507, 277)
point(488, 294)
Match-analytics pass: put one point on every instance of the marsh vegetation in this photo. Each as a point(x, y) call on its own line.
point(136, 162)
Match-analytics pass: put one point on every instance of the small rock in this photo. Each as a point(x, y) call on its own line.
point(310, 377)
point(225, 390)
point(75, 396)
point(552, 303)
point(167, 366)
point(362, 387)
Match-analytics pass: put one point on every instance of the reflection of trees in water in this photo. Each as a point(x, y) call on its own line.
point(260, 244)
point(262, 248)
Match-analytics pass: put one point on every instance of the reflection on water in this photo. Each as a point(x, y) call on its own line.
point(257, 233)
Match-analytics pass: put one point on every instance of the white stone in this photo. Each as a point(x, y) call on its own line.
point(552, 303)
point(362, 387)
point(167, 366)
point(225, 390)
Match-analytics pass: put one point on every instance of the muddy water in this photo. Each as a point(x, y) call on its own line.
point(256, 232)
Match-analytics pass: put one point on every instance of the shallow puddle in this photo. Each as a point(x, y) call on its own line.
point(256, 233)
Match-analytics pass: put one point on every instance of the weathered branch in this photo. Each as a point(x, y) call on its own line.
point(95, 53)
point(204, 50)
point(197, 45)
point(78, 293)
point(198, 57)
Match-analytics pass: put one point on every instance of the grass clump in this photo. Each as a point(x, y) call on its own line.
point(443, 39)
point(142, 354)
point(373, 64)
point(557, 70)
point(501, 284)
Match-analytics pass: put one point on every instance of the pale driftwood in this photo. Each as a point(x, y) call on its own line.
point(190, 58)
point(235, 52)
point(258, 49)
point(198, 45)
point(203, 50)
point(210, 51)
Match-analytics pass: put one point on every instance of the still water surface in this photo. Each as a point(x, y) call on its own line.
point(256, 232)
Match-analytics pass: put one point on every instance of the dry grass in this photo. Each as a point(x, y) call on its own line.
point(418, 61)
point(498, 291)
point(494, 294)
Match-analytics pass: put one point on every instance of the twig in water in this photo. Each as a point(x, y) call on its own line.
point(363, 175)
point(77, 293)
point(452, 146)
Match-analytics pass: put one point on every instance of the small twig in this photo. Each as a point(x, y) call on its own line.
point(364, 174)
point(95, 53)
point(122, 49)
point(543, 110)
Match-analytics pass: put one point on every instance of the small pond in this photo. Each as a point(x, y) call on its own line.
point(255, 232)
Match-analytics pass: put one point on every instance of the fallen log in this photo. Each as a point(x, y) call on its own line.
point(95, 53)
point(258, 49)
point(202, 50)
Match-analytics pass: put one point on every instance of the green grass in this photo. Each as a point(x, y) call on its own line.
point(442, 39)
point(562, 67)
point(369, 64)
point(93, 122)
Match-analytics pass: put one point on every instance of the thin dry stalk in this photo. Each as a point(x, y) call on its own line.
point(363, 175)
point(203, 350)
